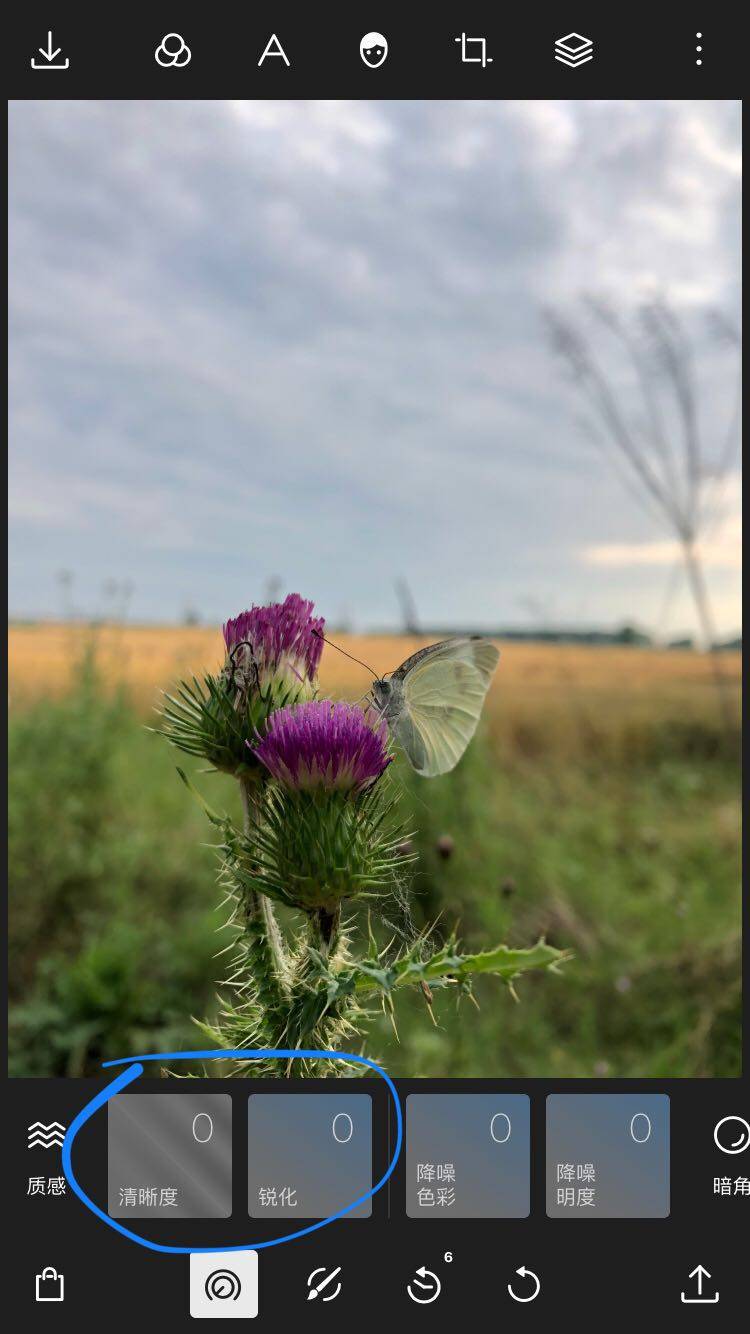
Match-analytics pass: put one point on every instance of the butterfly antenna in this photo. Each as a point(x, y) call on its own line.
point(373, 674)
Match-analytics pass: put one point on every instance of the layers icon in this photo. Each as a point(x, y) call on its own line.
point(574, 50)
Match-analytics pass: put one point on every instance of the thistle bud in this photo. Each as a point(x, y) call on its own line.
point(445, 846)
point(275, 651)
point(324, 835)
point(272, 659)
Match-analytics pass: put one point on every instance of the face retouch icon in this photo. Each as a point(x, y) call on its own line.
point(373, 49)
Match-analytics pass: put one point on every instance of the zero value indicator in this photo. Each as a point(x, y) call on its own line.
point(640, 1128)
point(203, 1128)
point(500, 1128)
point(343, 1128)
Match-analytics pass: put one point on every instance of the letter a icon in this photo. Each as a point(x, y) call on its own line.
point(274, 48)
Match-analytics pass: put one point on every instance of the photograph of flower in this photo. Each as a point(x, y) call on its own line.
point(374, 637)
point(320, 835)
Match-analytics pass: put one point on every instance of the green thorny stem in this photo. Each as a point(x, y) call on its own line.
point(313, 994)
point(301, 988)
point(258, 908)
point(282, 978)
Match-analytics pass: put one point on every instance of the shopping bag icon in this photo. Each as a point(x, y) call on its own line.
point(50, 1286)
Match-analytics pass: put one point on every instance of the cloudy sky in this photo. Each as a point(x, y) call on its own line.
point(306, 342)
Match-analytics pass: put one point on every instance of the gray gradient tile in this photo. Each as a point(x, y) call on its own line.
point(308, 1154)
point(170, 1156)
point(467, 1155)
point(608, 1155)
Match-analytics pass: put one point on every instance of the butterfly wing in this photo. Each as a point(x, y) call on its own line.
point(442, 690)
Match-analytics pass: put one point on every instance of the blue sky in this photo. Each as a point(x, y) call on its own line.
point(305, 341)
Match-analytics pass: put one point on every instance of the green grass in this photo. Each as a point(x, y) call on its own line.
point(627, 854)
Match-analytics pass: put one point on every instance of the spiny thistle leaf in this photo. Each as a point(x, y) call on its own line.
point(446, 967)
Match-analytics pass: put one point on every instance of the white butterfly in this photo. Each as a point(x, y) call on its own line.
point(432, 702)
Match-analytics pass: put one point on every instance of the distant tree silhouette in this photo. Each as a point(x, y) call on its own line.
point(651, 426)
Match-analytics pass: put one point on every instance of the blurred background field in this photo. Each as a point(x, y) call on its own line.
point(598, 805)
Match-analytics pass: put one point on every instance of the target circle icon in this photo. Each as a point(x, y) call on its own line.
point(222, 1285)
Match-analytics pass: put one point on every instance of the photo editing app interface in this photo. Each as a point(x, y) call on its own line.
point(375, 902)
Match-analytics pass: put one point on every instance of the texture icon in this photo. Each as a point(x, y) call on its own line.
point(224, 1285)
point(41, 1136)
point(574, 50)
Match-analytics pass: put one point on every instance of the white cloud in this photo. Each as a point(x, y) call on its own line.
point(629, 555)
point(720, 548)
point(254, 338)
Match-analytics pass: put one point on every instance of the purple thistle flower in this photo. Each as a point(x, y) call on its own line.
point(319, 744)
point(284, 638)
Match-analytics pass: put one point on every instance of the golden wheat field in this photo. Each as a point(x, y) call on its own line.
point(558, 684)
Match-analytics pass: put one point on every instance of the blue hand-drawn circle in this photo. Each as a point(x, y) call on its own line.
point(135, 1069)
